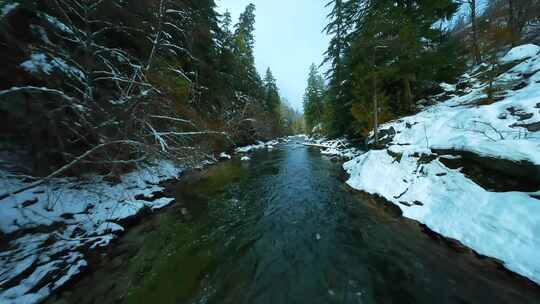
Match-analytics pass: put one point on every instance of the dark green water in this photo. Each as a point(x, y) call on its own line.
point(283, 228)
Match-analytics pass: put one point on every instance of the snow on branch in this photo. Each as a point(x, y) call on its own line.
point(32, 89)
point(173, 119)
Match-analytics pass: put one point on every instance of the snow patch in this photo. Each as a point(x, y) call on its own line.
point(337, 147)
point(40, 63)
point(270, 145)
point(85, 213)
point(7, 8)
point(224, 155)
point(521, 52)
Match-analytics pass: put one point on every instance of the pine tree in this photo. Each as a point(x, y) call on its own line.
point(387, 51)
point(248, 79)
point(245, 27)
point(272, 100)
point(338, 115)
point(314, 98)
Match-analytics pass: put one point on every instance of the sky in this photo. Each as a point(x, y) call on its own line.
point(289, 39)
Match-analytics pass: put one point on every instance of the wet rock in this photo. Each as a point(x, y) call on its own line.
point(29, 202)
point(418, 203)
point(461, 93)
point(522, 115)
point(520, 86)
point(451, 243)
point(525, 116)
point(444, 97)
point(435, 88)
point(494, 174)
point(335, 159)
point(502, 116)
point(405, 203)
point(68, 216)
point(425, 158)
point(463, 85)
point(386, 136)
point(409, 125)
point(530, 74)
point(532, 127)
point(426, 102)
point(396, 156)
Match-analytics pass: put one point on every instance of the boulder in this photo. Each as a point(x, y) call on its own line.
point(532, 127)
point(494, 174)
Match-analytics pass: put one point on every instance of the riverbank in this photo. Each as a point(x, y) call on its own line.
point(466, 166)
point(49, 232)
point(284, 220)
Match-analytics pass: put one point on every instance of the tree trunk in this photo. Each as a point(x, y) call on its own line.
point(512, 22)
point(375, 110)
point(407, 94)
point(476, 49)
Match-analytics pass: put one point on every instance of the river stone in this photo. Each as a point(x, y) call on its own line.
point(533, 127)
point(494, 174)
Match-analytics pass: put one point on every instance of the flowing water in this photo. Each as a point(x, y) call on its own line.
point(283, 228)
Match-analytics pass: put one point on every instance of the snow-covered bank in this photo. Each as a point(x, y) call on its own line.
point(412, 171)
point(258, 146)
point(51, 227)
point(335, 147)
point(61, 220)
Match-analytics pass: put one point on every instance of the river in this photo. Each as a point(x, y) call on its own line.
point(284, 228)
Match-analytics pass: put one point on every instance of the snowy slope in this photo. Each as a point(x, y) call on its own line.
point(68, 217)
point(411, 172)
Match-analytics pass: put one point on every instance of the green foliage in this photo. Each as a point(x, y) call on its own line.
point(314, 98)
point(178, 88)
point(395, 48)
point(272, 100)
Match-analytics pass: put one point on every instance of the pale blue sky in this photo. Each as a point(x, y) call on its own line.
point(288, 39)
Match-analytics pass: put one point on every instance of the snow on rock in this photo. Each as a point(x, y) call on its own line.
point(521, 52)
point(245, 158)
point(448, 87)
point(409, 173)
point(336, 147)
point(247, 149)
point(85, 214)
point(259, 146)
point(224, 155)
